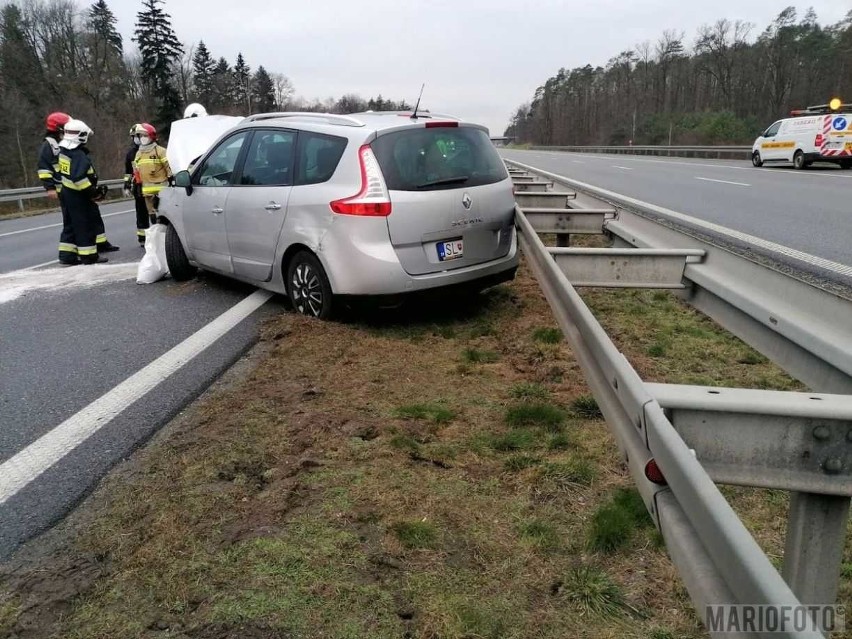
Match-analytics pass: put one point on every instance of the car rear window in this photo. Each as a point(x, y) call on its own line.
point(438, 158)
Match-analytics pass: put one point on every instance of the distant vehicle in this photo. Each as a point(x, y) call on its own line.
point(816, 134)
point(320, 207)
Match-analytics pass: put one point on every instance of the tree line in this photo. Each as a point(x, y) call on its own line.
point(725, 89)
point(57, 56)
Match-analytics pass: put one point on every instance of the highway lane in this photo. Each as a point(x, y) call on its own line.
point(809, 210)
point(69, 335)
point(34, 240)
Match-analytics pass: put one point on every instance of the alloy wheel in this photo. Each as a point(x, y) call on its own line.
point(306, 290)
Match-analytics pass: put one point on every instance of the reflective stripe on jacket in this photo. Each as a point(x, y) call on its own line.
point(48, 164)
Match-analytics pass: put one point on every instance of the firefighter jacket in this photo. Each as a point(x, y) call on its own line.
point(48, 164)
point(77, 172)
point(152, 168)
point(79, 182)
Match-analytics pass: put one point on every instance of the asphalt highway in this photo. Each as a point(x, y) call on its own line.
point(810, 210)
point(70, 335)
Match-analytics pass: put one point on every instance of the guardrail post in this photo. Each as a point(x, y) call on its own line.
point(21, 205)
point(816, 532)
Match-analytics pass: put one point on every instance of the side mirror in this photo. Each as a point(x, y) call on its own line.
point(182, 179)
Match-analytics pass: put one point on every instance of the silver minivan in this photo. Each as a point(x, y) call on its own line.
point(320, 207)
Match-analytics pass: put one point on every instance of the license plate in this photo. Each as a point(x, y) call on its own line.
point(451, 250)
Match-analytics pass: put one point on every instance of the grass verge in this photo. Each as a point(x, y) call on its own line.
point(361, 481)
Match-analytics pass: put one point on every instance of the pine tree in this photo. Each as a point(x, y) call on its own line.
point(104, 72)
point(263, 92)
point(221, 82)
point(160, 50)
point(102, 22)
point(203, 68)
point(20, 67)
point(240, 87)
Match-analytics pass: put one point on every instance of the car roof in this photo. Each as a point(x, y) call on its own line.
point(367, 120)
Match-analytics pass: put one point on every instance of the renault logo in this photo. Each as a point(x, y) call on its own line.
point(466, 201)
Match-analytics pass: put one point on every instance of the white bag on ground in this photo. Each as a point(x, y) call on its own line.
point(153, 266)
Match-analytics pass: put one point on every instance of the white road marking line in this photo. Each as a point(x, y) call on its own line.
point(626, 168)
point(829, 265)
point(578, 162)
point(722, 181)
point(26, 465)
point(32, 268)
point(56, 226)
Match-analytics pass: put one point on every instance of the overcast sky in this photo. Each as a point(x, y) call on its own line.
point(480, 59)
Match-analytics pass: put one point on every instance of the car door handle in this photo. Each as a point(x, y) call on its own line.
point(272, 206)
point(217, 210)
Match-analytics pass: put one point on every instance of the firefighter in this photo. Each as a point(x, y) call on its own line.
point(151, 169)
point(48, 173)
point(132, 188)
point(80, 191)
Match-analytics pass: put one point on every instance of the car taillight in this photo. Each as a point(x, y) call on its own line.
point(654, 474)
point(373, 199)
point(436, 125)
point(819, 140)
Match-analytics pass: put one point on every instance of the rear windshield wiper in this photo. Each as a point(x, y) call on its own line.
point(459, 179)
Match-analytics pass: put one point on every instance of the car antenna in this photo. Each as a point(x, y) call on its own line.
point(417, 106)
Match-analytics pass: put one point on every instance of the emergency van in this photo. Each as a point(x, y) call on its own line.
point(816, 134)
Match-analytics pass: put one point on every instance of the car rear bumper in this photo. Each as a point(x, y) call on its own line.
point(357, 262)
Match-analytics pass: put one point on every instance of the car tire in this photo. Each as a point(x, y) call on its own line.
point(308, 287)
point(176, 259)
point(799, 160)
point(756, 159)
point(846, 164)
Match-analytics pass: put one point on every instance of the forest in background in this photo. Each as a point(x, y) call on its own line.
point(56, 55)
point(723, 88)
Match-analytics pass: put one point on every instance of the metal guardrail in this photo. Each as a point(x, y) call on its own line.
point(701, 436)
point(34, 192)
point(720, 152)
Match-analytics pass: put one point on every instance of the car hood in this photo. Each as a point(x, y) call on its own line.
point(191, 137)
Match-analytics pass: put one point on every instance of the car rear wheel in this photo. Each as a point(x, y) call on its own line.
point(799, 160)
point(846, 164)
point(176, 259)
point(756, 159)
point(308, 287)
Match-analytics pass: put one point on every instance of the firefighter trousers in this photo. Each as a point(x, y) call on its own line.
point(86, 223)
point(67, 241)
point(142, 222)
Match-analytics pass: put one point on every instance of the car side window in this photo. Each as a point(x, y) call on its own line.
point(317, 157)
point(269, 159)
point(218, 168)
point(773, 130)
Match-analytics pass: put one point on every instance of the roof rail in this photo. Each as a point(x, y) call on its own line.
point(420, 114)
point(330, 118)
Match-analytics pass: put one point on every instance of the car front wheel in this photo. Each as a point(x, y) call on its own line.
point(176, 259)
point(308, 287)
point(756, 159)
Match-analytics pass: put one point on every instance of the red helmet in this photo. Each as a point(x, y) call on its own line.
point(150, 130)
point(56, 121)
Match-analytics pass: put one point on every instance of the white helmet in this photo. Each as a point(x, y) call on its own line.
point(76, 133)
point(194, 110)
